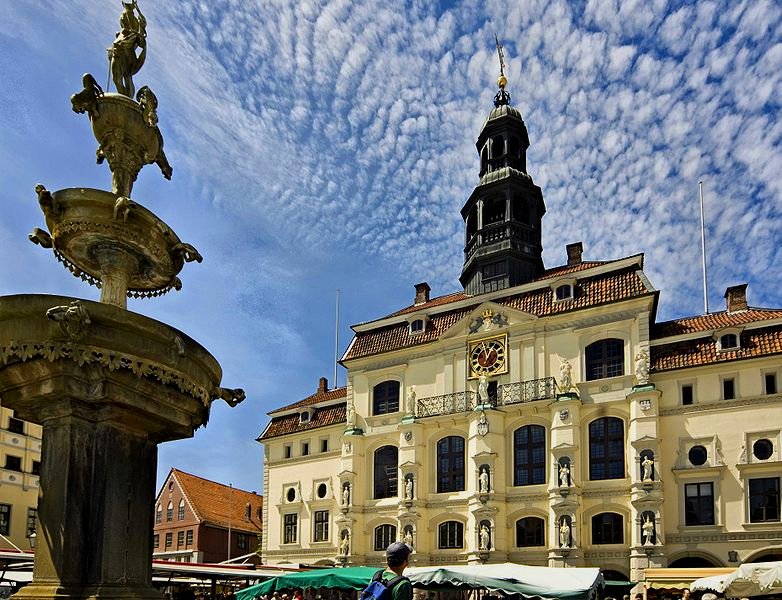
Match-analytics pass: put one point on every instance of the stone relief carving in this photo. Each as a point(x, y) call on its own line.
point(148, 102)
point(232, 397)
point(642, 367)
point(40, 237)
point(122, 208)
point(565, 376)
point(71, 319)
point(87, 99)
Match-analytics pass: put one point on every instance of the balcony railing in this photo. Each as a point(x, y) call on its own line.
point(526, 391)
point(509, 393)
point(446, 404)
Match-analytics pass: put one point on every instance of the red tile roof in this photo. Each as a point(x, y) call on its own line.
point(703, 351)
point(316, 398)
point(592, 291)
point(212, 502)
point(456, 296)
point(713, 321)
point(323, 417)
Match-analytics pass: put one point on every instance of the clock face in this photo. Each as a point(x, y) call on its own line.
point(488, 357)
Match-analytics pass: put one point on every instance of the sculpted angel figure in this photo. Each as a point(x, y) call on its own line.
point(565, 376)
point(642, 367)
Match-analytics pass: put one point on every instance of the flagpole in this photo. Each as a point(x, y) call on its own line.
point(703, 254)
point(336, 342)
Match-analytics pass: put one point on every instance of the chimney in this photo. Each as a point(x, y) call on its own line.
point(736, 298)
point(574, 253)
point(422, 293)
point(323, 385)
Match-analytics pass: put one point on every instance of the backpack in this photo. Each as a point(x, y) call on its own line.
point(379, 589)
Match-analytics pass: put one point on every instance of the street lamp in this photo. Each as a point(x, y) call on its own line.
point(31, 538)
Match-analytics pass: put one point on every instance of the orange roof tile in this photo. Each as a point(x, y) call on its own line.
point(316, 398)
point(703, 351)
point(713, 321)
point(213, 502)
point(591, 291)
point(323, 417)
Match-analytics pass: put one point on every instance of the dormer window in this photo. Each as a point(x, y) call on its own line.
point(416, 324)
point(728, 340)
point(564, 292)
point(305, 416)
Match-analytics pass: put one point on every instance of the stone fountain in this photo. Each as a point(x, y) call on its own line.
point(107, 385)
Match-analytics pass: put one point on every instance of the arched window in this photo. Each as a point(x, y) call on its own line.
point(386, 461)
point(497, 146)
point(606, 448)
point(514, 148)
point(564, 291)
point(529, 455)
point(385, 535)
point(484, 160)
point(170, 512)
point(530, 531)
point(450, 535)
point(181, 512)
point(520, 210)
point(450, 464)
point(159, 514)
point(385, 398)
point(608, 528)
point(605, 358)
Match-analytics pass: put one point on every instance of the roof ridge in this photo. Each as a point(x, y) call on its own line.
point(720, 312)
point(185, 493)
point(236, 489)
point(299, 403)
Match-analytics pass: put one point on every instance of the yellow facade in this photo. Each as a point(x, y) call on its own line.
point(19, 467)
point(653, 421)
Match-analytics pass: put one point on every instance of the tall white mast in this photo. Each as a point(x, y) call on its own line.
point(703, 255)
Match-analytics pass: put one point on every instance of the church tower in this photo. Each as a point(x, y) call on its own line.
point(502, 246)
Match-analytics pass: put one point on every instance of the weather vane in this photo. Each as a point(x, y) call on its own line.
point(502, 97)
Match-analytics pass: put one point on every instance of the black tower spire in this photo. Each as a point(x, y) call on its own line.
point(503, 215)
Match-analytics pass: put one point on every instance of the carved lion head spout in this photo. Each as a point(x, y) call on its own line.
point(232, 397)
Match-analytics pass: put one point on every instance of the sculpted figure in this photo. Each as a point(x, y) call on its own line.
point(642, 367)
point(46, 200)
point(646, 465)
point(408, 539)
point(648, 531)
point(188, 252)
point(350, 415)
point(411, 401)
point(40, 237)
point(483, 543)
point(148, 102)
point(87, 99)
point(344, 545)
point(71, 319)
point(122, 54)
point(483, 481)
point(346, 495)
point(564, 475)
point(565, 376)
point(564, 533)
point(122, 207)
point(232, 397)
point(483, 389)
point(409, 488)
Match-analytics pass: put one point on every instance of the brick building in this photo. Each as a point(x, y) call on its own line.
point(197, 520)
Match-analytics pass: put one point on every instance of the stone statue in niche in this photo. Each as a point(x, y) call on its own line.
point(344, 545)
point(483, 389)
point(350, 415)
point(484, 541)
point(409, 488)
point(564, 474)
point(647, 530)
point(346, 495)
point(483, 481)
point(408, 537)
point(642, 367)
point(411, 401)
point(647, 464)
point(565, 376)
point(564, 533)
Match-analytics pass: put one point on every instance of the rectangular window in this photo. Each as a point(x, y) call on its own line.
point(36, 470)
point(32, 513)
point(189, 538)
point(13, 463)
point(728, 389)
point(286, 451)
point(321, 533)
point(170, 512)
point(169, 540)
point(16, 425)
point(699, 504)
point(290, 529)
point(180, 539)
point(771, 383)
point(687, 395)
point(181, 515)
point(764, 500)
point(156, 540)
point(305, 448)
point(324, 445)
point(241, 541)
point(5, 518)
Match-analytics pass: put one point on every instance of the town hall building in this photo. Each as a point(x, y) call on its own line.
point(542, 416)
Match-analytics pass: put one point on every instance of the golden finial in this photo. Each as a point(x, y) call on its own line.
point(502, 81)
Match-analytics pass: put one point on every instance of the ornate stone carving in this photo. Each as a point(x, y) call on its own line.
point(483, 481)
point(647, 464)
point(409, 487)
point(40, 237)
point(483, 424)
point(48, 204)
point(565, 376)
point(187, 252)
point(642, 367)
point(564, 474)
point(564, 533)
point(87, 99)
point(132, 35)
point(72, 319)
point(232, 397)
point(148, 102)
point(484, 541)
point(122, 208)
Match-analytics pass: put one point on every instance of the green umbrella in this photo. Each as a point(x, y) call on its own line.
point(348, 578)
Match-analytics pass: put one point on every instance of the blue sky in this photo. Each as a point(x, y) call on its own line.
point(330, 144)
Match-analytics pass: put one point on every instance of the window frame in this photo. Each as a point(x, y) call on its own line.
point(169, 512)
point(609, 459)
point(449, 478)
point(320, 531)
point(760, 493)
point(32, 517)
point(772, 376)
point(242, 541)
point(169, 543)
point(16, 425)
point(385, 484)
point(383, 401)
point(290, 528)
point(180, 539)
point(11, 461)
point(690, 387)
point(382, 536)
point(599, 362)
point(524, 451)
point(188, 538)
point(181, 510)
point(731, 383)
point(5, 518)
point(700, 499)
point(450, 535)
point(534, 534)
point(567, 289)
point(605, 533)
